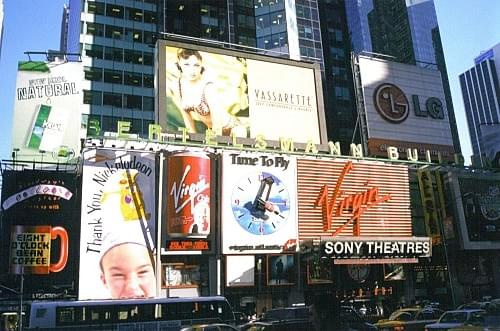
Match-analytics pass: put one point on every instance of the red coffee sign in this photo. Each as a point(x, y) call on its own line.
point(188, 195)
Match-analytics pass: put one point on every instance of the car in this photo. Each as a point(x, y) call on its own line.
point(282, 325)
point(240, 317)
point(455, 318)
point(210, 327)
point(299, 319)
point(409, 319)
point(474, 305)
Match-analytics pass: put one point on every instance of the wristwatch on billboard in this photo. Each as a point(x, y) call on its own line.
point(260, 203)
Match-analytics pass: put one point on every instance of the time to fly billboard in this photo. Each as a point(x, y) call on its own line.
point(235, 93)
point(48, 118)
point(405, 108)
point(117, 224)
point(259, 212)
point(40, 233)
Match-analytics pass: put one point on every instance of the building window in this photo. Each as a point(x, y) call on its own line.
point(134, 57)
point(109, 123)
point(113, 76)
point(93, 74)
point(132, 101)
point(114, 11)
point(148, 104)
point(148, 59)
point(148, 81)
point(149, 17)
point(149, 37)
point(96, 8)
point(113, 54)
point(93, 51)
point(133, 35)
point(92, 97)
point(95, 29)
point(114, 32)
point(134, 14)
point(132, 78)
point(111, 99)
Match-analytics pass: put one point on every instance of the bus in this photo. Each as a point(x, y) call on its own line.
point(166, 314)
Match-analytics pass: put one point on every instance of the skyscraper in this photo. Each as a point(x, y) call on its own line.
point(405, 30)
point(116, 39)
point(1, 25)
point(481, 96)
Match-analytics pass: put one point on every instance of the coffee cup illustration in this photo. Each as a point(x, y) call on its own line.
point(30, 249)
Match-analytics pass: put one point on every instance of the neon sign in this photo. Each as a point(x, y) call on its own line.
point(356, 204)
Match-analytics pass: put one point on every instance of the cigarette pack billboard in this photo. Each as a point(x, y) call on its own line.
point(352, 198)
point(405, 108)
point(41, 230)
point(118, 229)
point(258, 203)
point(48, 121)
point(230, 92)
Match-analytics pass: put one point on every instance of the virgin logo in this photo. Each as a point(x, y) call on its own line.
point(184, 193)
point(355, 204)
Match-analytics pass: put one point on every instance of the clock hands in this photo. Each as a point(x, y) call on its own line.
point(260, 204)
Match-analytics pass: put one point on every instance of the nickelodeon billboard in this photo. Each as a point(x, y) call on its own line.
point(405, 108)
point(240, 94)
point(118, 223)
point(48, 117)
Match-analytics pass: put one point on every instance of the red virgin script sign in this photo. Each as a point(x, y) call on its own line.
point(354, 204)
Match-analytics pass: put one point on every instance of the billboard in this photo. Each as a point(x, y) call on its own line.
point(230, 92)
point(118, 229)
point(352, 198)
point(405, 108)
point(41, 230)
point(258, 203)
point(48, 117)
point(481, 206)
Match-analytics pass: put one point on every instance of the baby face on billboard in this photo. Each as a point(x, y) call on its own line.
point(127, 271)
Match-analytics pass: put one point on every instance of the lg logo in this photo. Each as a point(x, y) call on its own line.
point(393, 105)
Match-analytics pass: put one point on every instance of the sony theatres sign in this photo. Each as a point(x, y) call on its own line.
point(359, 209)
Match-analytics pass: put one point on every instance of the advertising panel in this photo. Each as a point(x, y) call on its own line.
point(405, 108)
point(258, 203)
point(246, 95)
point(188, 194)
point(352, 198)
point(240, 270)
point(48, 111)
point(40, 237)
point(281, 269)
point(117, 224)
point(481, 206)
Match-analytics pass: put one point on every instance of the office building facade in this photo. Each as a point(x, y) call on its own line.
point(403, 31)
point(481, 97)
point(1, 26)
point(116, 40)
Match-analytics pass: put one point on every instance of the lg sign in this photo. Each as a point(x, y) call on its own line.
point(393, 105)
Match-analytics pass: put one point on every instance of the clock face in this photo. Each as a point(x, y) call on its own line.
point(260, 203)
point(358, 272)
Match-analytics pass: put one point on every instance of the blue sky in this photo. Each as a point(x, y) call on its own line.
point(467, 28)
